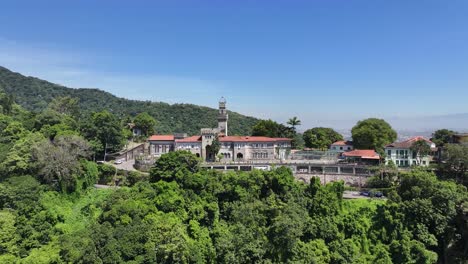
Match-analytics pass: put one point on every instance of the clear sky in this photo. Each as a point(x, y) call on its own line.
point(318, 60)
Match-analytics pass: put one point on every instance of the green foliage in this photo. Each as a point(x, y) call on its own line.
point(9, 237)
point(270, 128)
point(35, 95)
point(213, 149)
point(294, 122)
point(18, 160)
point(174, 165)
point(58, 165)
point(105, 130)
point(442, 136)
point(146, 123)
point(373, 133)
point(6, 103)
point(454, 163)
point(321, 137)
point(180, 213)
point(65, 105)
point(421, 148)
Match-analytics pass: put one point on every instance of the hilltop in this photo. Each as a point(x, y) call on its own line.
point(34, 94)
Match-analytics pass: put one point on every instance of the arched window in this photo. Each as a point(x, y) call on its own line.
point(240, 156)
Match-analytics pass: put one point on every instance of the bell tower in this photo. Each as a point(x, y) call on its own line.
point(222, 117)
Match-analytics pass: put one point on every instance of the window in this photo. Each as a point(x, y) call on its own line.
point(341, 148)
point(389, 152)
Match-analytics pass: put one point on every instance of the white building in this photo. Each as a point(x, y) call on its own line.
point(402, 156)
point(342, 146)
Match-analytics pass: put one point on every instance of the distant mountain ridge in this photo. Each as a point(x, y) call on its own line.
point(34, 94)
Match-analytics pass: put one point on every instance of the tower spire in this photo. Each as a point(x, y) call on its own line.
point(222, 117)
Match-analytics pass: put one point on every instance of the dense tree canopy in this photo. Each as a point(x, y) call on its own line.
point(421, 150)
point(270, 128)
point(35, 95)
point(146, 123)
point(58, 161)
point(321, 137)
point(373, 133)
point(442, 136)
point(182, 213)
point(106, 129)
point(454, 163)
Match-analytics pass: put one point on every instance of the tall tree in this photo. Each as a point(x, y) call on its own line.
point(145, 122)
point(6, 102)
point(213, 149)
point(373, 133)
point(421, 150)
point(105, 127)
point(65, 105)
point(293, 122)
point(320, 137)
point(270, 128)
point(58, 160)
point(454, 163)
point(174, 164)
point(442, 136)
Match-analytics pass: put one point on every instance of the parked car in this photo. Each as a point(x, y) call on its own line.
point(119, 161)
point(378, 194)
point(365, 193)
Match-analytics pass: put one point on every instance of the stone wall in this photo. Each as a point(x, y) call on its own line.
point(349, 179)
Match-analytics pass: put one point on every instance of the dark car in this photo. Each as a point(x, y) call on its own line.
point(378, 194)
point(365, 193)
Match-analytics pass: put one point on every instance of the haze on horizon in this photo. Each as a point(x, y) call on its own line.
point(330, 63)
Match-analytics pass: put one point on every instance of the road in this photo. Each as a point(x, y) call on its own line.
point(353, 195)
point(125, 165)
point(356, 195)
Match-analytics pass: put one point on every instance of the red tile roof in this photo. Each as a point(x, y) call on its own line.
point(222, 139)
point(362, 153)
point(342, 143)
point(407, 143)
point(189, 139)
point(161, 138)
point(251, 139)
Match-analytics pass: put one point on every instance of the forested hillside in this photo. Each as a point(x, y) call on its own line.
point(35, 94)
point(50, 211)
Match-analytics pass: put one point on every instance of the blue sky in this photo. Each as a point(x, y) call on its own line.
point(323, 61)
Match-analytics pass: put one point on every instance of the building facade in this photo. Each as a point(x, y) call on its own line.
point(231, 148)
point(341, 146)
point(362, 156)
point(237, 148)
point(401, 155)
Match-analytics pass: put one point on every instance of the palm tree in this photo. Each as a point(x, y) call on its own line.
point(293, 122)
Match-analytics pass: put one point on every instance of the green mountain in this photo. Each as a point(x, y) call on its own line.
point(34, 94)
